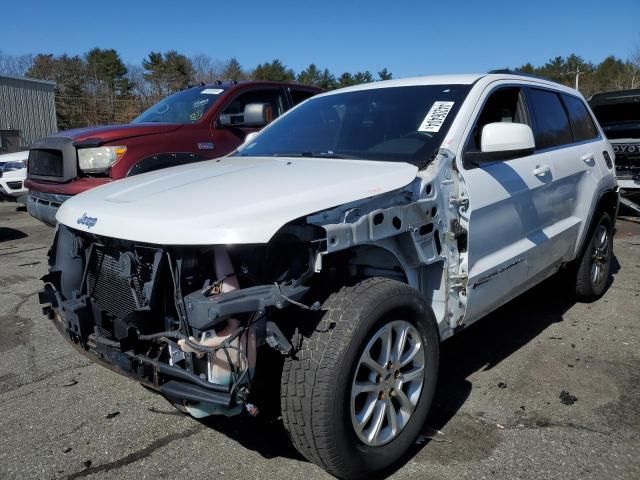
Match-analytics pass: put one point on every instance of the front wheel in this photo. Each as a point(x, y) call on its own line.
point(356, 395)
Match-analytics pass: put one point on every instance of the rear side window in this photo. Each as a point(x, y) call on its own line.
point(551, 123)
point(298, 96)
point(581, 121)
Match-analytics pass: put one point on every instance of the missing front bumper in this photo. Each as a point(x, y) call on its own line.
point(178, 385)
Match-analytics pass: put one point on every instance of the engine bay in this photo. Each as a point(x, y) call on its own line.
point(186, 321)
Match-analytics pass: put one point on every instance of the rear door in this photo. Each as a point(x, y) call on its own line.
point(510, 205)
point(568, 139)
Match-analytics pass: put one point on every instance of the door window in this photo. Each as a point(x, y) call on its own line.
point(581, 121)
point(298, 96)
point(551, 123)
point(274, 97)
point(504, 105)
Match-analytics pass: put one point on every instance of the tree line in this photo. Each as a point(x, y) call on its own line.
point(99, 88)
point(610, 74)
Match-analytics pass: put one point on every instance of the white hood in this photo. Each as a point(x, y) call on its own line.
point(227, 201)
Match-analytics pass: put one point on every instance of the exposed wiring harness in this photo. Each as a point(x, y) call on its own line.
point(225, 346)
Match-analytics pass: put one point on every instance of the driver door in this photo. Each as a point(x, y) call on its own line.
point(228, 131)
point(510, 205)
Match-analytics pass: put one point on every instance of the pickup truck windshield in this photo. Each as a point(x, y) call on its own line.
point(619, 116)
point(404, 124)
point(184, 107)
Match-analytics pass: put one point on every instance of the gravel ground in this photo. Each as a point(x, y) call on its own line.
point(498, 404)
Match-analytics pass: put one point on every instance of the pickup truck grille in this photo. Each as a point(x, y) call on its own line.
point(47, 163)
point(114, 292)
point(627, 166)
point(627, 159)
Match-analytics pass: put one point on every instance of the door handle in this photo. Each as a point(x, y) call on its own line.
point(541, 170)
point(589, 159)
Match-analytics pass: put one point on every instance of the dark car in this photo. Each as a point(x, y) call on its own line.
point(619, 115)
point(198, 123)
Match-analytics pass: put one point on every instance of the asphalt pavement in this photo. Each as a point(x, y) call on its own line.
point(500, 411)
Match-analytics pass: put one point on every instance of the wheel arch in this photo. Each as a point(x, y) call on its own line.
point(608, 202)
point(356, 262)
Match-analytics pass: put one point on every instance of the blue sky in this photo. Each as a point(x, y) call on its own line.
point(407, 37)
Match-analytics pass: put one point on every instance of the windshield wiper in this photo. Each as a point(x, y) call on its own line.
point(318, 155)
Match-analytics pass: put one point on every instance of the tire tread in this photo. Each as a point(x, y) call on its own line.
point(307, 416)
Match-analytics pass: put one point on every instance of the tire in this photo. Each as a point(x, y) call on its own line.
point(316, 403)
point(594, 267)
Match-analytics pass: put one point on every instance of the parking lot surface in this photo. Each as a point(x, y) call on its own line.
point(500, 407)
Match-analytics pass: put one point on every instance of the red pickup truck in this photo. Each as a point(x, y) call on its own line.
point(198, 123)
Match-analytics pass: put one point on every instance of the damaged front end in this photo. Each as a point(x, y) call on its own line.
point(197, 323)
point(184, 321)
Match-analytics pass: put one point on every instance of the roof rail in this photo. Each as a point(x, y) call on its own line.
point(506, 71)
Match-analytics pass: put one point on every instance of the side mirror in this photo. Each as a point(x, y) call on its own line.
point(503, 141)
point(255, 115)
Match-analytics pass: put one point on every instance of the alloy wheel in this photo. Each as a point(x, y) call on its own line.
point(387, 383)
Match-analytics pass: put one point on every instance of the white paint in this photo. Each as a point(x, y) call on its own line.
point(522, 225)
point(212, 91)
point(233, 200)
point(502, 136)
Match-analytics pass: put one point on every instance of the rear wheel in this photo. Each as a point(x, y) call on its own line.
point(357, 393)
point(593, 271)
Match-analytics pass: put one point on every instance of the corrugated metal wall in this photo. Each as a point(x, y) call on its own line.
point(29, 106)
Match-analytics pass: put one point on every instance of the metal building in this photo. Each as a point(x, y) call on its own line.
point(27, 112)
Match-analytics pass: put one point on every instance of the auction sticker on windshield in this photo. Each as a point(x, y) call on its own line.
point(435, 117)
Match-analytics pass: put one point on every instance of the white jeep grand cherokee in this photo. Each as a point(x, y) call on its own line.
point(351, 236)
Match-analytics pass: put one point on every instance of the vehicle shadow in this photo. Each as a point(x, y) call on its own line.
point(491, 340)
point(481, 346)
point(7, 199)
point(264, 434)
point(7, 234)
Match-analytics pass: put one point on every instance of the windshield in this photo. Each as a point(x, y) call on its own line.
point(403, 124)
point(13, 165)
point(187, 106)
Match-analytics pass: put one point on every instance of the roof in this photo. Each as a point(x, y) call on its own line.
point(30, 80)
point(455, 79)
point(458, 79)
point(231, 84)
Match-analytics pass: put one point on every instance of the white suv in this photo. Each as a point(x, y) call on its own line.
point(352, 236)
point(13, 173)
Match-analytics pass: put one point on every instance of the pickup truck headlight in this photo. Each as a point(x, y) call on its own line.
point(100, 158)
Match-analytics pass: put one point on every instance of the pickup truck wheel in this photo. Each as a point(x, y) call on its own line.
point(595, 265)
point(355, 396)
